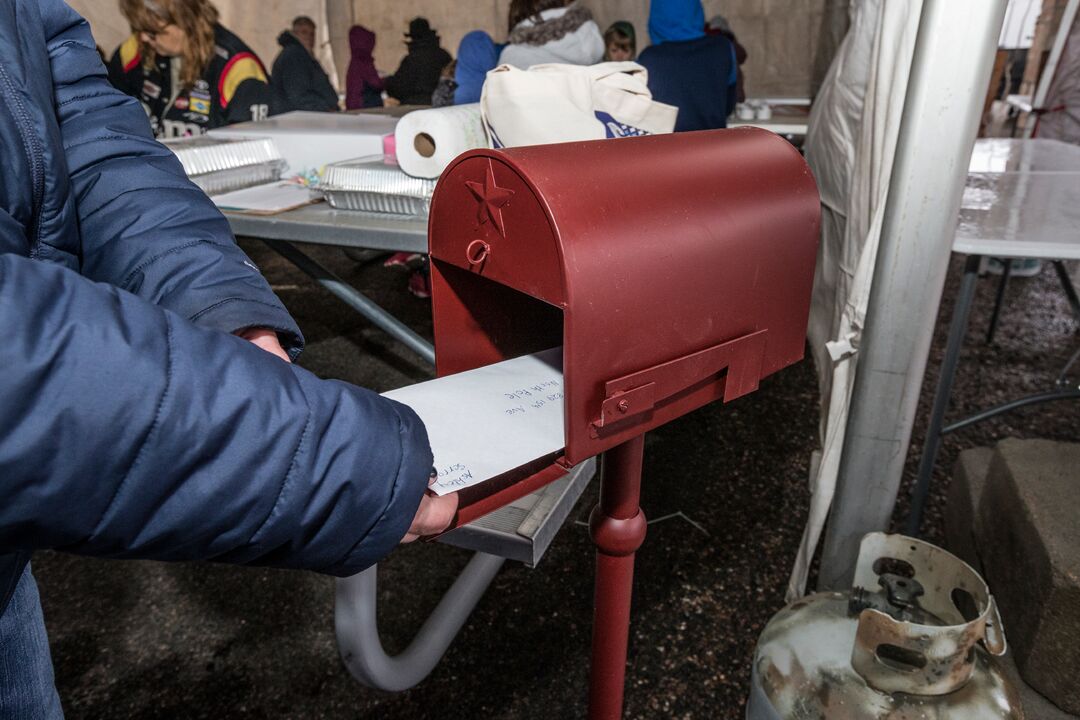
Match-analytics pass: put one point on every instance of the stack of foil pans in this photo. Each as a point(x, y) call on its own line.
point(376, 185)
point(219, 165)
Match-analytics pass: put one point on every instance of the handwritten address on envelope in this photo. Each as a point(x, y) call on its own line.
point(484, 422)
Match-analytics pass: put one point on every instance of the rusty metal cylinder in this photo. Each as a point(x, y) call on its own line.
point(915, 638)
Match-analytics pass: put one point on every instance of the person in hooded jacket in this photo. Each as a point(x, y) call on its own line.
point(718, 25)
point(190, 73)
point(298, 79)
point(551, 31)
point(693, 71)
point(363, 86)
point(477, 54)
point(149, 405)
point(418, 75)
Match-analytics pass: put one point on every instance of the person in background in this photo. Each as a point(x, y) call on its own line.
point(148, 400)
point(551, 31)
point(719, 25)
point(297, 77)
point(620, 42)
point(444, 91)
point(418, 75)
point(477, 54)
point(687, 68)
point(363, 86)
point(189, 72)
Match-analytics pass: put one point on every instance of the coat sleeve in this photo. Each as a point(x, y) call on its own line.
point(130, 432)
point(144, 226)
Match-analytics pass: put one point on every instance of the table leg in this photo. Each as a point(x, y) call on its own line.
point(1067, 286)
point(1006, 273)
point(617, 527)
point(957, 330)
point(355, 299)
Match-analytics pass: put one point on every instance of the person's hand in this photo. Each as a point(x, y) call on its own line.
point(433, 516)
point(391, 102)
point(266, 339)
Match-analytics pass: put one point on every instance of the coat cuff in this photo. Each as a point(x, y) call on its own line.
point(232, 314)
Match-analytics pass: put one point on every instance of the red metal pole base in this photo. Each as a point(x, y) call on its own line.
point(617, 527)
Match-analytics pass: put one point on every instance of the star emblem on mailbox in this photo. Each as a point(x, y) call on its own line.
point(492, 199)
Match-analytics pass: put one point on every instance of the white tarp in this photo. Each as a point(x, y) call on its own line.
point(850, 147)
point(1061, 121)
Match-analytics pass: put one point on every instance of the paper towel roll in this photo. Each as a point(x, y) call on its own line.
point(427, 140)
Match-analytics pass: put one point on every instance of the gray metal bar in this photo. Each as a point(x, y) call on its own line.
point(957, 330)
point(937, 131)
point(1068, 287)
point(999, 300)
point(1063, 376)
point(1049, 396)
point(355, 299)
point(357, 630)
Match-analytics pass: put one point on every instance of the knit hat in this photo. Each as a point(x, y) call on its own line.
point(419, 28)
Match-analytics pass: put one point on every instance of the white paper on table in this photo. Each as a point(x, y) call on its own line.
point(266, 199)
point(487, 421)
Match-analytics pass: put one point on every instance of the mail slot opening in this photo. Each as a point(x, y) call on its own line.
point(493, 322)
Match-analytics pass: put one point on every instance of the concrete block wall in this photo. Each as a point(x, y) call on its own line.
point(781, 36)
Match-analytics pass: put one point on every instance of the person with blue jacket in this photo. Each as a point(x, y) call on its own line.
point(477, 54)
point(695, 72)
point(147, 403)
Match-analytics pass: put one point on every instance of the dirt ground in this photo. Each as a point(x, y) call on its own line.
point(155, 640)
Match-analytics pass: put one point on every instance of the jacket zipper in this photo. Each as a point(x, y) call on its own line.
point(34, 152)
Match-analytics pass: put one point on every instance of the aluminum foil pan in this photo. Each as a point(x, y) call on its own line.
point(375, 185)
point(219, 165)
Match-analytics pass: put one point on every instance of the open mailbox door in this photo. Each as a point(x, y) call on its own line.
point(673, 270)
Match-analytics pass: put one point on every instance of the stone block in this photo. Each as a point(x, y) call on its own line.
point(1028, 535)
point(962, 504)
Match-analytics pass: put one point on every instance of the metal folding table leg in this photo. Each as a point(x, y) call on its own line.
point(355, 299)
point(356, 598)
point(957, 330)
point(357, 629)
point(1006, 273)
point(1068, 287)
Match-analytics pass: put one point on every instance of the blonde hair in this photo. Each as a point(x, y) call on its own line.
point(196, 18)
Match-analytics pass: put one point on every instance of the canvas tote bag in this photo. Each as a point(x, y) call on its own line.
point(553, 103)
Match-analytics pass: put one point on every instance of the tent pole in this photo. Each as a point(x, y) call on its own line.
point(950, 69)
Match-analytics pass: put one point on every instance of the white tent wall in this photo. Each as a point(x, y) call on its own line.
point(850, 148)
point(784, 38)
point(1061, 121)
point(892, 166)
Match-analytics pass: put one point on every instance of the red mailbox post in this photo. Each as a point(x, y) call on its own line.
point(673, 270)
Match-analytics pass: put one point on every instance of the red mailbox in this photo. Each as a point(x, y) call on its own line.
point(673, 270)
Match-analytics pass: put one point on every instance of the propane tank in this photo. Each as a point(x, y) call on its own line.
point(913, 640)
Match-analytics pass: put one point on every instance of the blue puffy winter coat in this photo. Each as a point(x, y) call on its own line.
point(132, 423)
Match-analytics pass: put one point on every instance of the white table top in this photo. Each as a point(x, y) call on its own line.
point(1022, 200)
point(779, 125)
point(1007, 155)
point(1027, 215)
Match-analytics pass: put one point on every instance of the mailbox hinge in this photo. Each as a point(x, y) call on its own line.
point(642, 391)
